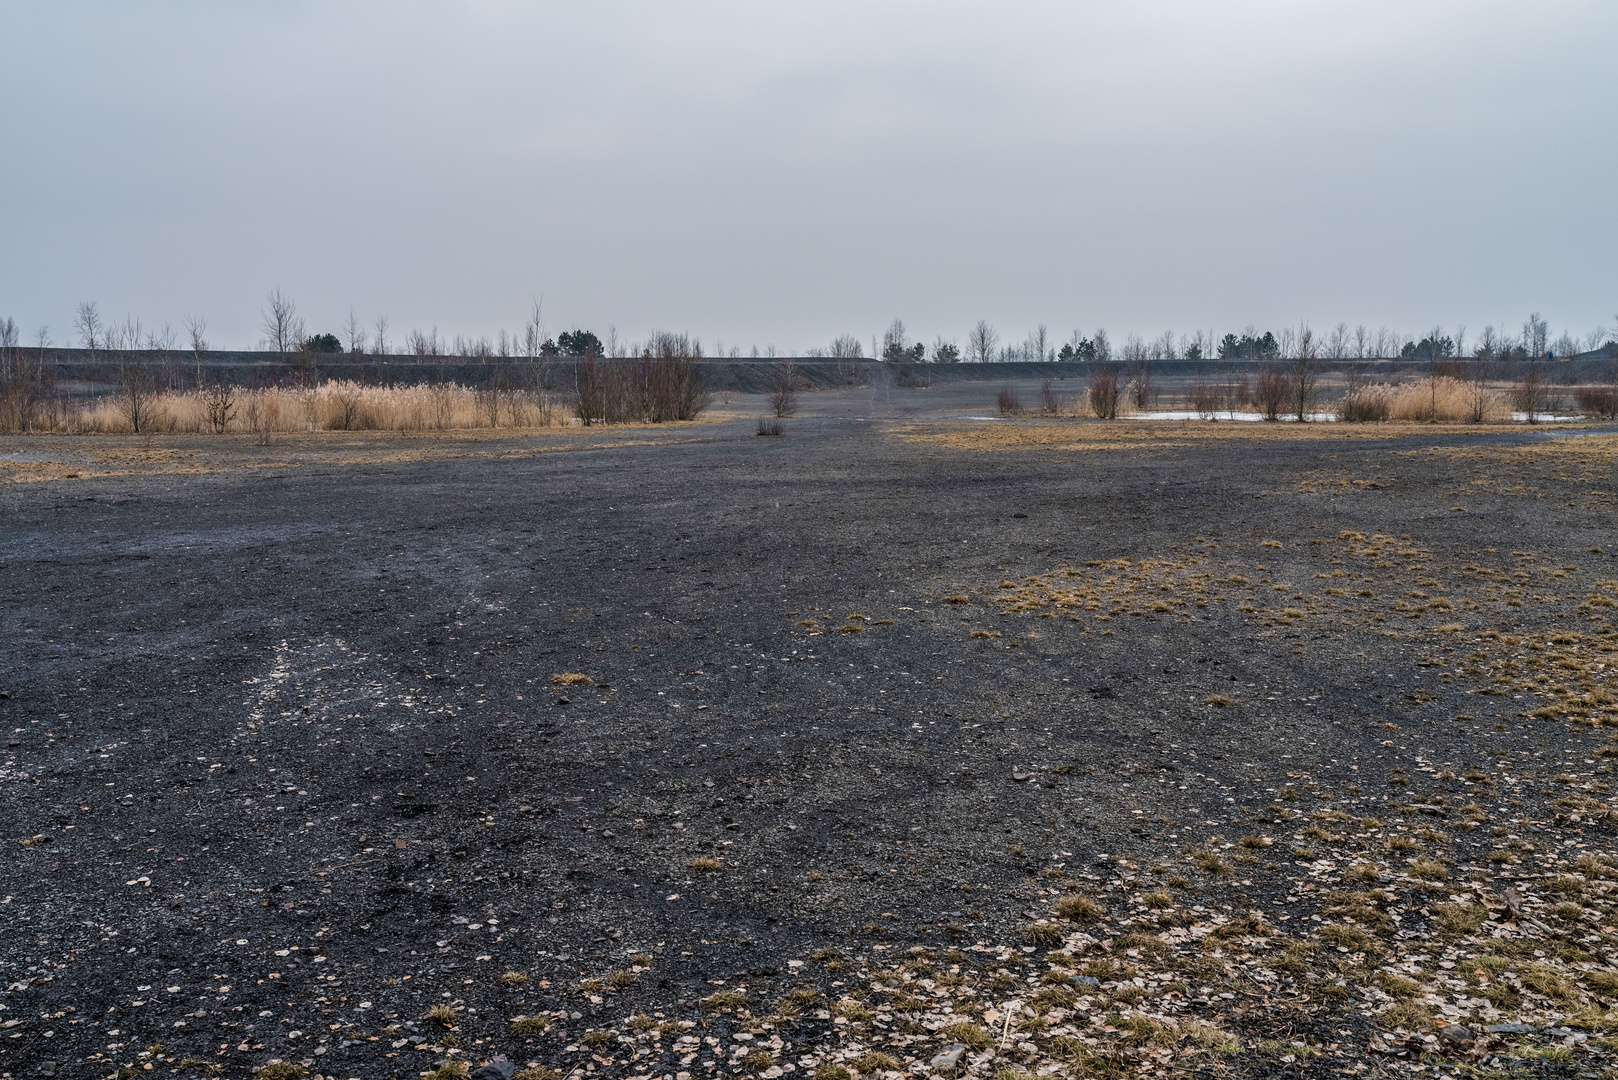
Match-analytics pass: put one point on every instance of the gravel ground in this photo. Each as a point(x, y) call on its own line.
point(852, 742)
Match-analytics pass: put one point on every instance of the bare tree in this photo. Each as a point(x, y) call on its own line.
point(895, 343)
point(1305, 372)
point(354, 330)
point(283, 330)
point(379, 344)
point(981, 342)
point(88, 324)
point(1103, 346)
point(1337, 344)
point(1039, 343)
point(533, 333)
point(196, 327)
point(1362, 338)
point(219, 403)
point(846, 347)
point(1434, 352)
point(784, 390)
point(1536, 333)
point(1477, 388)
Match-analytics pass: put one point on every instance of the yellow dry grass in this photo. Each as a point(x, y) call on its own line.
point(1465, 615)
point(331, 406)
point(1091, 436)
point(42, 458)
point(1450, 400)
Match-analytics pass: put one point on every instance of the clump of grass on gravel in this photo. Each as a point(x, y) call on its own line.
point(571, 678)
point(443, 1015)
point(1042, 934)
point(705, 864)
point(1078, 908)
point(724, 1000)
point(281, 1070)
point(530, 1025)
point(874, 1061)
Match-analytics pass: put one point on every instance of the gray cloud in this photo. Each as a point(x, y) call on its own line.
point(772, 173)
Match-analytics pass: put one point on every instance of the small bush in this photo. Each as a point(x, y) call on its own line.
point(1599, 401)
point(1103, 394)
point(769, 427)
point(1008, 402)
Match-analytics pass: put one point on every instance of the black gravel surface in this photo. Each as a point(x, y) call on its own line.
point(288, 762)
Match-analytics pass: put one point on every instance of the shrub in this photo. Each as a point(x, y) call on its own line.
point(1367, 404)
point(767, 426)
point(783, 391)
point(1599, 401)
point(1104, 394)
point(1008, 402)
point(1272, 393)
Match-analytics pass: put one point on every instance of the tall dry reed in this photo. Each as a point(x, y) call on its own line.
point(1444, 399)
point(339, 405)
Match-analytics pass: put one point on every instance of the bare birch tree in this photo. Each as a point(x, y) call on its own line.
point(982, 341)
point(283, 330)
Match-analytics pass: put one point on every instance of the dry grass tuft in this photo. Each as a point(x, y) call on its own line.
point(530, 1025)
point(1078, 908)
point(571, 678)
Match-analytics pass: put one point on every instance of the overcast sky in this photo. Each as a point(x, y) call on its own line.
point(762, 173)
